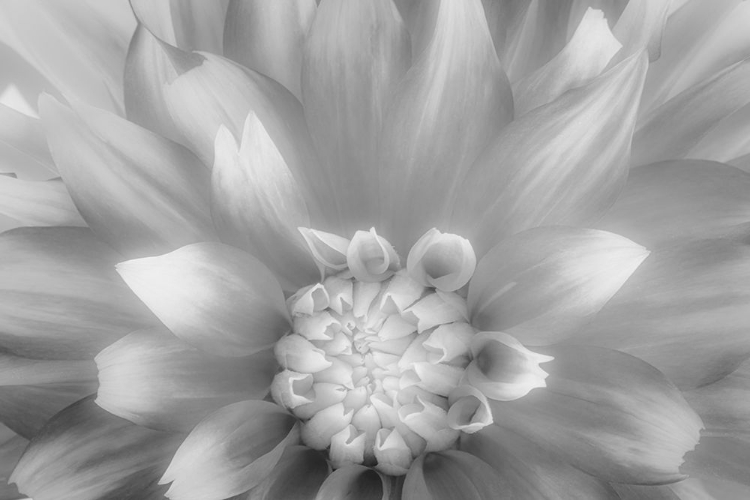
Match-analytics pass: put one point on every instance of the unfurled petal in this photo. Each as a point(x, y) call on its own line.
point(33, 391)
point(211, 295)
point(59, 295)
point(267, 36)
point(726, 140)
point(451, 475)
point(543, 284)
point(370, 257)
point(684, 310)
point(354, 56)
point(64, 42)
point(152, 378)
point(584, 57)
point(88, 454)
point(257, 204)
point(354, 482)
point(230, 451)
point(38, 203)
point(442, 260)
point(12, 447)
point(641, 25)
point(187, 24)
point(298, 475)
point(674, 201)
point(562, 163)
point(138, 191)
point(505, 20)
point(455, 84)
point(721, 457)
point(530, 471)
point(608, 414)
point(25, 135)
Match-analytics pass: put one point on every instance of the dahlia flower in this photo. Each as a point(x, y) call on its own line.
point(382, 249)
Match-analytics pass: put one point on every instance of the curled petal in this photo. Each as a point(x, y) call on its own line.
point(503, 369)
point(318, 431)
point(370, 257)
point(291, 389)
point(429, 421)
point(469, 411)
point(328, 250)
point(448, 342)
point(347, 447)
point(322, 395)
point(442, 260)
point(308, 300)
point(392, 452)
point(297, 353)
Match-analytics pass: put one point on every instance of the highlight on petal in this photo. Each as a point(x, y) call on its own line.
point(355, 55)
point(456, 83)
point(88, 454)
point(441, 260)
point(563, 163)
point(370, 257)
point(502, 368)
point(38, 203)
point(608, 414)
point(138, 191)
point(328, 250)
point(267, 36)
point(257, 204)
point(154, 379)
point(451, 475)
point(541, 285)
point(230, 451)
point(216, 297)
point(354, 482)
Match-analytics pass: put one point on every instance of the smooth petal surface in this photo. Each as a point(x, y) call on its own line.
point(541, 285)
point(216, 297)
point(562, 163)
point(297, 476)
point(684, 311)
point(139, 192)
point(78, 46)
point(680, 200)
point(456, 84)
point(38, 203)
point(187, 24)
point(267, 36)
point(722, 458)
point(11, 449)
point(88, 454)
point(641, 25)
point(59, 295)
point(152, 378)
point(25, 134)
point(230, 451)
point(257, 204)
point(452, 475)
point(353, 482)
point(608, 414)
point(529, 472)
point(33, 391)
point(354, 56)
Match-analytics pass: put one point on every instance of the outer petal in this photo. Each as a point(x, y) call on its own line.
point(230, 451)
point(59, 295)
point(154, 379)
point(213, 296)
point(680, 200)
point(456, 84)
point(543, 284)
point(257, 204)
point(505, 20)
point(722, 458)
point(608, 414)
point(727, 140)
point(529, 471)
point(11, 449)
point(267, 36)
point(354, 482)
point(684, 311)
point(87, 454)
point(25, 134)
point(187, 24)
point(641, 25)
point(298, 476)
point(32, 391)
point(38, 203)
point(354, 56)
point(138, 191)
point(78, 46)
point(452, 475)
point(563, 163)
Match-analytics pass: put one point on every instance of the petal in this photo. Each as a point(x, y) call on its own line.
point(257, 204)
point(354, 482)
point(152, 378)
point(38, 203)
point(505, 20)
point(672, 129)
point(25, 134)
point(608, 414)
point(584, 57)
point(442, 260)
point(684, 311)
point(529, 472)
point(354, 56)
point(213, 296)
point(451, 475)
point(371, 258)
point(562, 163)
point(33, 391)
point(59, 295)
point(456, 84)
point(187, 24)
point(722, 458)
point(78, 46)
point(152, 197)
point(543, 284)
point(11, 449)
point(230, 451)
point(726, 140)
point(680, 200)
point(298, 475)
point(87, 454)
point(641, 25)
point(267, 36)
